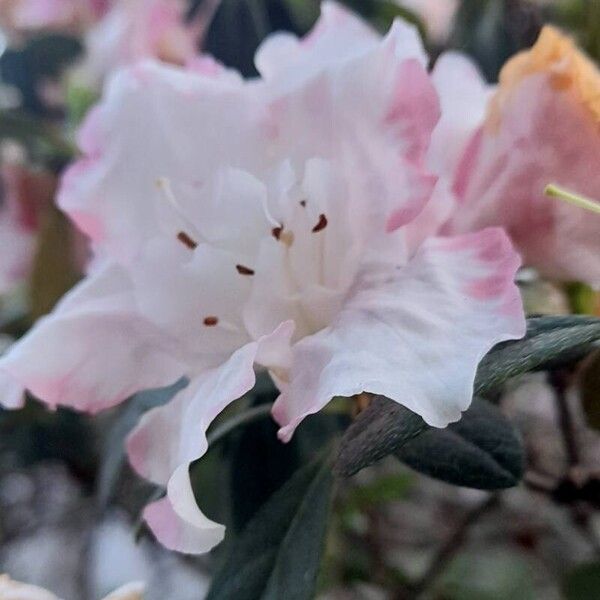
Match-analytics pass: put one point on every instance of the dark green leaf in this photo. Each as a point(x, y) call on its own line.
point(550, 342)
point(482, 450)
point(113, 454)
point(279, 553)
point(583, 582)
point(385, 426)
point(384, 489)
point(589, 389)
point(381, 14)
point(236, 31)
point(260, 464)
point(582, 298)
point(380, 429)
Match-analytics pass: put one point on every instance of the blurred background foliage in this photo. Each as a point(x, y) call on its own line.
point(395, 534)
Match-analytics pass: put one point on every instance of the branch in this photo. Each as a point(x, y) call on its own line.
point(559, 380)
point(448, 549)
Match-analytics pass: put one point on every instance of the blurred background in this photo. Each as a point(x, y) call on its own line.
point(69, 504)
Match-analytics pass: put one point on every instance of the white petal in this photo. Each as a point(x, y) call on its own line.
point(178, 523)
point(175, 434)
point(416, 336)
point(12, 393)
point(94, 351)
point(130, 591)
point(337, 36)
point(155, 122)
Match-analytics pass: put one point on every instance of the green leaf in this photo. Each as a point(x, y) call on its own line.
point(113, 451)
point(582, 298)
point(550, 342)
point(583, 582)
point(235, 32)
point(380, 429)
point(381, 14)
point(279, 553)
point(386, 426)
point(482, 450)
point(260, 464)
point(589, 390)
point(79, 101)
point(384, 489)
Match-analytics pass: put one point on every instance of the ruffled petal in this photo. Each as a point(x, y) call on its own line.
point(94, 350)
point(178, 523)
point(175, 434)
point(170, 437)
point(148, 127)
point(12, 393)
point(512, 158)
point(416, 337)
point(338, 35)
point(463, 96)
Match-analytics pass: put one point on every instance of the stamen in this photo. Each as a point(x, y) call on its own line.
point(186, 240)
point(303, 203)
point(211, 321)
point(164, 185)
point(242, 270)
point(321, 224)
point(555, 191)
point(283, 236)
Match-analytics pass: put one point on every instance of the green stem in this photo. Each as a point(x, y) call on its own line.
point(252, 414)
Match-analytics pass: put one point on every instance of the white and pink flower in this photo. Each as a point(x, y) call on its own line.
point(74, 16)
point(542, 126)
point(115, 32)
point(265, 224)
point(131, 30)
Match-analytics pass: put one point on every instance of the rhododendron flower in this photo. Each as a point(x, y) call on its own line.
point(135, 29)
point(116, 32)
point(14, 590)
point(263, 224)
point(64, 15)
point(543, 126)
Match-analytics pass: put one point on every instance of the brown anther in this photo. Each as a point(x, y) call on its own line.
point(211, 321)
point(321, 224)
point(303, 203)
point(242, 270)
point(186, 240)
point(283, 236)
